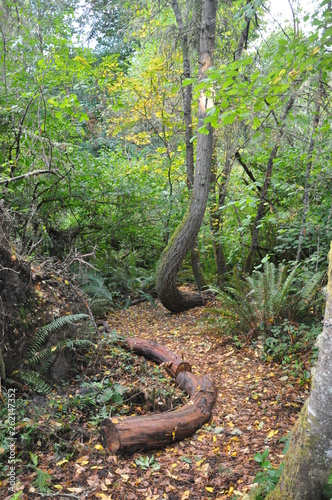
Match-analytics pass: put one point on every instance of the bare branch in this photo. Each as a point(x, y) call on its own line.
point(29, 174)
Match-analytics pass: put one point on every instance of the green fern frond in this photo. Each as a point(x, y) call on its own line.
point(44, 332)
point(37, 357)
point(35, 382)
point(72, 343)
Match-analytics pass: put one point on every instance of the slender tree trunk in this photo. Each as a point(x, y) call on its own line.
point(185, 235)
point(263, 195)
point(308, 462)
point(308, 170)
point(187, 101)
point(216, 217)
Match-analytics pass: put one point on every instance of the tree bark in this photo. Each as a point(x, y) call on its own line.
point(187, 102)
point(308, 462)
point(157, 430)
point(15, 278)
point(186, 233)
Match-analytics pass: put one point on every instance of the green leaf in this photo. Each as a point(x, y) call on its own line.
point(187, 81)
point(256, 123)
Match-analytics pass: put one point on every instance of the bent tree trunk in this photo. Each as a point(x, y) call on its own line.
point(187, 102)
point(186, 233)
point(308, 462)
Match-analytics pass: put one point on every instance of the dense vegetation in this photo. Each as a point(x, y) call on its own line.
point(95, 137)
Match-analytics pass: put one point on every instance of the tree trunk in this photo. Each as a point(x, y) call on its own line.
point(186, 233)
point(187, 102)
point(263, 194)
point(308, 170)
point(15, 276)
point(260, 211)
point(216, 215)
point(308, 462)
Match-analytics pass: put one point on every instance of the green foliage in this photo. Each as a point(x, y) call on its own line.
point(290, 338)
point(100, 298)
point(267, 298)
point(268, 477)
point(43, 480)
point(147, 463)
point(43, 333)
point(327, 492)
point(40, 358)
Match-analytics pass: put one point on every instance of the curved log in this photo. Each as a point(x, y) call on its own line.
point(157, 353)
point(128, 435)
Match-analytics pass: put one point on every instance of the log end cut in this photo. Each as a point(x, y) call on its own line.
point(109, 436)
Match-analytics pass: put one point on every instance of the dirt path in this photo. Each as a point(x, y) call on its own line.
point(257, 405)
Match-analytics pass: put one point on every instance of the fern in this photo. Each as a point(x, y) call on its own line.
point(44, 332)
point(98, 293)
point(266, 298)
point(35, 382)
point(42, 358)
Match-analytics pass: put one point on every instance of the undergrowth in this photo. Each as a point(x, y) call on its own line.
point(114, 383)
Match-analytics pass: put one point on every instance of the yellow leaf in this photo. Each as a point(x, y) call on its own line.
point(271, 434)
point(209, 489)
point(2, 450)
point(61, 462)
point(125, 477)
point(54, 348)
point(99, 447)
point(231, 424)
point(115, 421)
point(75, 490)
point(58, 487)
point(174, 465)
point(234, 454)
point(230, 491)
point(199, 463)
point(185, 495)
point(84, 458)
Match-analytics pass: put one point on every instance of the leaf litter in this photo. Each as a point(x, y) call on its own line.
point(257, 405)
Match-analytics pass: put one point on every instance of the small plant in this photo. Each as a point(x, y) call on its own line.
point(327, 492)
point(268, 478)
point(147, 463)
point(43, 480)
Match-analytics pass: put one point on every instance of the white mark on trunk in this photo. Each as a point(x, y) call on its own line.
point(311, 411)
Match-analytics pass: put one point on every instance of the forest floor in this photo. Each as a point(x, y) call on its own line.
point(257, 405)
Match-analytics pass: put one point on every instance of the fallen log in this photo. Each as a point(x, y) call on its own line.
point(127, 435)
point(157, 353)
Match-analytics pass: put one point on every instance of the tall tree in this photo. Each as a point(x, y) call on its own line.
point(187, 103)
point(308, 461)
point(186, 233)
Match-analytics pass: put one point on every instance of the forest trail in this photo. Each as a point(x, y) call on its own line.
point(256, 406)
